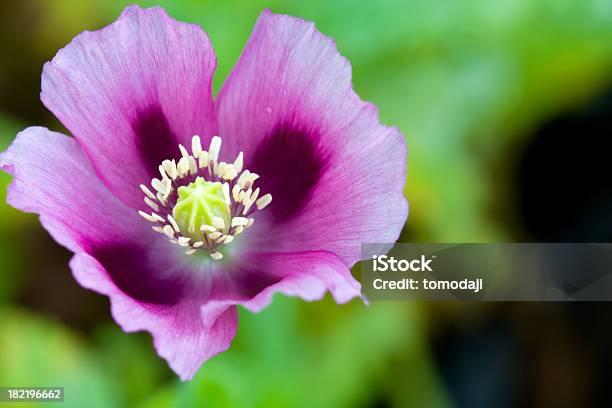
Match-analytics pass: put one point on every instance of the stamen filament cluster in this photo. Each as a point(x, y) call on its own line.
point(241, 199)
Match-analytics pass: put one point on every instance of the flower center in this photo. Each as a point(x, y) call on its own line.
point(200, 203)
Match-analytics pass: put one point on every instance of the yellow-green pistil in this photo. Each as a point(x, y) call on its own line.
point(197, 204)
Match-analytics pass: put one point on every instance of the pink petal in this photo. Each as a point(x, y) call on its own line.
point(53, 177)
point(131, 92)
point(336, 174)
point(185, 334)
point(117, 253)
point(307, 275)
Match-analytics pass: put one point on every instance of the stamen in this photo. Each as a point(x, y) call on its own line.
point(184, 151)
point(183, 241)
point(215, 147)
point(235, 192)
point(226, 193)
point(239, 162)
point(247, 205)
point(208, 228)
point(193, 165)
point(168, 188)
point(146, 216)
point(162, 172)
point(173, 223)
point(168, 231)
point(148, 192)
point(239, 221)
point(250, 180)
point(215, 170)
point(182, 167)
point(218, 223)
point(243, 178)
point(158, 185)
point(216, 256)
point(151, 204)
point(241, 196)
point(170, 168)
point(255, 195)
point(214, 235)
point(196, 146)
point(157, 217)
point(221, 169)
point(263, 202)
point(230, 172)
point(203, 159)
point(226, 239)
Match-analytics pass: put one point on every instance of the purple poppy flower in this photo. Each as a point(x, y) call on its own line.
point(178, 229)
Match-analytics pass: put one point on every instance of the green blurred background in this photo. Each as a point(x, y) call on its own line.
point(506, 107)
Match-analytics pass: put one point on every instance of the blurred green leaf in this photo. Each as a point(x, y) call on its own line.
point(10, 217)
point(12, 220)
point(314, 354)
point(131, 360)
point(40, 352)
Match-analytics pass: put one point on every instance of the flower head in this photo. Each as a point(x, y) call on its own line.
point(179, 207)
